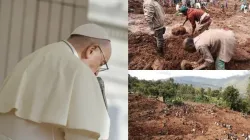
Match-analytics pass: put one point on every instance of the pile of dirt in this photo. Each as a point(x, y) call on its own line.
point(135, 6)
point(141, 43)
point(150, 119)
point(179, 31)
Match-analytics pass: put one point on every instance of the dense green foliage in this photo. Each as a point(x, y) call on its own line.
point(174, 93)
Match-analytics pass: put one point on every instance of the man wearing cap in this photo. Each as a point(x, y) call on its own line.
point(212, 44)
point(154, 15)
point(196, 15)
point(54, 94)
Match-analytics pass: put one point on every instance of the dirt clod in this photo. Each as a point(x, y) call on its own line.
point(179, 31)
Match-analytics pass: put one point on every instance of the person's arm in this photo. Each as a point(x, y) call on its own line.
point(149, 14)
point(202, 66)
point(207, 57)
point(196, 64)
point(192, 21)
point(193, 28)
point(185, 22)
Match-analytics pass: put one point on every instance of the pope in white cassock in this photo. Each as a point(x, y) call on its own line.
point(54, 94)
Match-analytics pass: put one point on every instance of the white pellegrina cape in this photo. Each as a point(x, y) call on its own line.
point(53, 86)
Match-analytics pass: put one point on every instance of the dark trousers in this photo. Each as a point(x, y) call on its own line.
point(159, 38)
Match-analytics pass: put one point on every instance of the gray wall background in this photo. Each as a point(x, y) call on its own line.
point(27, 25)
point(113, 15)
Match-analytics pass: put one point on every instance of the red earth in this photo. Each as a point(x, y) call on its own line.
point(142, 53)
point(150, 119)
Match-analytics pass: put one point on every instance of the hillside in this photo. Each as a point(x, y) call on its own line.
point(150, 119)
point(240, 82)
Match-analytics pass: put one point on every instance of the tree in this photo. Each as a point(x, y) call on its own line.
point(167, 89)
point(248, 89)
point(220, 89)
point(171, 80)
point(231, 95)
point(215, 93)
point(202, 91)
point(153, 91)
point(240, 105)
point(209, 91)
point(201, 98)
point(141, 87)
point(197, 91)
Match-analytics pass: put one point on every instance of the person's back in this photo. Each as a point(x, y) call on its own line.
point(220, 43)
point(154, 13)
point(194, 14)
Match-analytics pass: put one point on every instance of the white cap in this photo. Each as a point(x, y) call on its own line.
point(91, 30)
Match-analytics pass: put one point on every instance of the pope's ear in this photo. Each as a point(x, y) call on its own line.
point(90, 51)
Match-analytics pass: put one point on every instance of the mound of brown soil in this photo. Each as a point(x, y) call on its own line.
point(179, 31)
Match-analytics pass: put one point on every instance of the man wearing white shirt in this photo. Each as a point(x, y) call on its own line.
point(54, 94)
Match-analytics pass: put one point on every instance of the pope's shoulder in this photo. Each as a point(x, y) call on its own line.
point(57, 55)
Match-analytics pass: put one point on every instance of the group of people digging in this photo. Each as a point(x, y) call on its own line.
point(215, 45)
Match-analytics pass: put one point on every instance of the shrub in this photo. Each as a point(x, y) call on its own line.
point(177, 102)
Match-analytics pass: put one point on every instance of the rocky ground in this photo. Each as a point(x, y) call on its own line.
point(142, 53)
point(150, 119)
